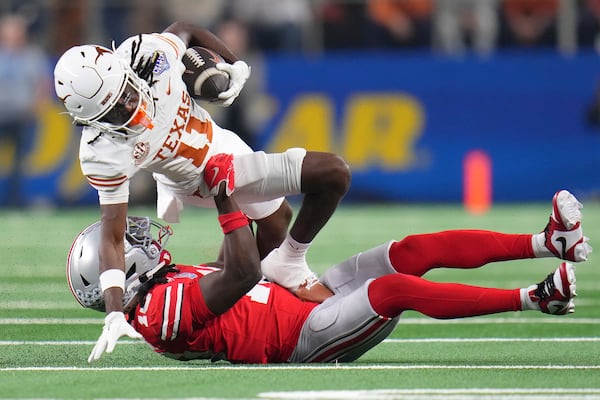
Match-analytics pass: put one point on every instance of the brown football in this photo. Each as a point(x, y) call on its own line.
point(203, 80)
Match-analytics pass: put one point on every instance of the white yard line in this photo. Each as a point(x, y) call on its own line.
point(442, 394)
point(51, 321)
point(39, 305)
point(492, 340)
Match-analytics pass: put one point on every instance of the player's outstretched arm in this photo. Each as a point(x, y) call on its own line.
point(112, 279)
point(241, 269)
point(112, 254)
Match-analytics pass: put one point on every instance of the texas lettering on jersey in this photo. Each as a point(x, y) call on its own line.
point(177, 146)
point(189, 136)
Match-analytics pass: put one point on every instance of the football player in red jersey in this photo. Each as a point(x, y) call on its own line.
point(226, 311)
point(137, 114)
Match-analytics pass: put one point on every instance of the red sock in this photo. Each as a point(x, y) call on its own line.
point(417, 254)
point(394, 293)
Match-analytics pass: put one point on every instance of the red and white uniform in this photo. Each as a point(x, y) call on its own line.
point(262, 327)
point(371, 290)
point(175, 150)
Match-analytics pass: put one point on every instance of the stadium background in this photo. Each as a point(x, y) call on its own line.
point(405, 114)
point(409, 116)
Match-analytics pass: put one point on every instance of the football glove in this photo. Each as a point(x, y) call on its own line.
point(239, 72)
point(115, 326)
point(219, 168)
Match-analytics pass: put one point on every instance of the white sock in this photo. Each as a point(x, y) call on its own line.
point(538, 242)
point(287, 265)
point(292, 248)
point(526, 302)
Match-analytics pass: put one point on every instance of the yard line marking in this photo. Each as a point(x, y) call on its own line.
point(51, 321)
point(25, 287)
point(38, 305)
point(403, 321)
point(517, 320)
point(393, 341)
point(492, 339)
point(59, 342)
point(306, 367)
point(418, 394)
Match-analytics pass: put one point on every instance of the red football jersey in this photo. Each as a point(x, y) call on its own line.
point(262, 327)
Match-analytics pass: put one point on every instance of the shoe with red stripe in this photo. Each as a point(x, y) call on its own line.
point(564, 236)
point(554, 295)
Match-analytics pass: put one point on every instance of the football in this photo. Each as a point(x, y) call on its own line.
point(203, 80)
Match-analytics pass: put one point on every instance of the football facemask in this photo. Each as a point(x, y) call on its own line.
point(92, 80)
point(144, 253)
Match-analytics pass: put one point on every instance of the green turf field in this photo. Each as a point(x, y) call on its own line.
point(46, 336)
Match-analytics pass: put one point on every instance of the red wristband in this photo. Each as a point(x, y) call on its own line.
point(232, 221)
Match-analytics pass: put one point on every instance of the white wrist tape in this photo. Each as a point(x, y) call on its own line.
point(112, 278)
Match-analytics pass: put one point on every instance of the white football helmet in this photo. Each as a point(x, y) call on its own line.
point(143, 253)
point(99, 88)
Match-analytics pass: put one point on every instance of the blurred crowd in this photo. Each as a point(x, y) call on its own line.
point(446, 26)
point(34, 33)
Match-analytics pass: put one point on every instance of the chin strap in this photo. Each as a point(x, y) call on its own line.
point(146, 276)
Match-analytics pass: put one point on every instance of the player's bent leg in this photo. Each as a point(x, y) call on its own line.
point(290, 270)
point(325, 172)
point(261, 175)
point(325, 178)
point(417, 254)
point(341, 329)
point(563, 236)
point(325, 181)
point(349, 275)
point(390, 295)
point(271, 230)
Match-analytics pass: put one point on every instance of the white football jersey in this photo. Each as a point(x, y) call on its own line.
point(175, 149)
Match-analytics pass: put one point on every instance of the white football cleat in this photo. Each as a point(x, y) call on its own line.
point(554, 295)
point(563, 233)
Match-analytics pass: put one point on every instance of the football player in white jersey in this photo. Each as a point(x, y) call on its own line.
point(137, 114)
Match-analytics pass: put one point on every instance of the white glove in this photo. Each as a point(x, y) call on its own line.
point(239, 72)
point(115, 326)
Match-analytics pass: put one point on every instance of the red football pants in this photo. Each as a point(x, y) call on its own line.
point(416, 254)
